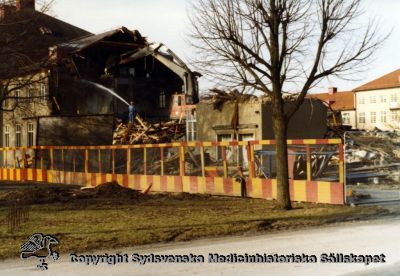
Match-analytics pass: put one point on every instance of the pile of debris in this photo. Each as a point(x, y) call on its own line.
point(372, 157)
point(47, 194)
point(141, 132)
point(219, 97)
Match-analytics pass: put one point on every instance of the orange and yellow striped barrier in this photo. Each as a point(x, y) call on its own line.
point(209, 183)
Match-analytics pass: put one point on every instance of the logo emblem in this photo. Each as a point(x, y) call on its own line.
point(40, 246)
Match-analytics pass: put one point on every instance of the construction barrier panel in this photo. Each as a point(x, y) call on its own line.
point(316, 167)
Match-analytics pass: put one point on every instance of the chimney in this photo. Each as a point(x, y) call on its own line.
point(332, 90)
point(25, 4)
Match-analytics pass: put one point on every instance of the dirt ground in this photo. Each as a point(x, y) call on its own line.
point(110, 216)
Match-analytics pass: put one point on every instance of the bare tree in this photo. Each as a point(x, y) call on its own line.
point(20, 58)
point(276, 46)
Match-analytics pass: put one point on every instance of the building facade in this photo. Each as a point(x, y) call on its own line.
point(26, 79)
point(31, 101)
point(254, 121)
point(378, 103)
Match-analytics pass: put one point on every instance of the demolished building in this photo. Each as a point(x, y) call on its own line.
point(239, 117)
point(100, 74)
point(125, 62)
point(81, 81)
point(247, 117)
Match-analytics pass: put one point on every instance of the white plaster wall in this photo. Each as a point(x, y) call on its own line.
point(367, 107)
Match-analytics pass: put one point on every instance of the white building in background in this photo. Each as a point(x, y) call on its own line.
point(378, 103)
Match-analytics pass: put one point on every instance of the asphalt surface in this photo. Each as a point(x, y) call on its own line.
point(368, 237)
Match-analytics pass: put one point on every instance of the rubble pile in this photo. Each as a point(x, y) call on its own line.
point(373, 156)
point(219, 97)
point(373, 148)
point(141, 132)
point(48, 194)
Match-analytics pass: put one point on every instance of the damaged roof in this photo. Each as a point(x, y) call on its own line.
point(128, 46)
point(124, 36)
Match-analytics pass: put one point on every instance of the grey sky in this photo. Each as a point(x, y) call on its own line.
point(166, 21)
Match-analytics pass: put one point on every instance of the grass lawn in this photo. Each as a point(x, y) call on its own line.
point(86, 225)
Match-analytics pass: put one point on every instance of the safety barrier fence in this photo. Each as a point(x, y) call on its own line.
point(315, 167)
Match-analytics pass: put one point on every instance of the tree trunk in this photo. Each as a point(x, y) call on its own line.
point(279, 122)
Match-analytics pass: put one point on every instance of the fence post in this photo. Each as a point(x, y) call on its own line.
point(63, 160)
point(181, 160)
point(341, 164)
point(224, 161)
point(250, 154)
point(128, 161)
point(86, 161)
point(51, 159)
point(162, 160)
point(15, 158)
point(41, 158)
point(145, 161)
point(113, 160)
point(5, 164)
point(203, 168)
point(34, 154)
point(308, 160)
point(24, 163)
point(74, 160)
point(99, 160)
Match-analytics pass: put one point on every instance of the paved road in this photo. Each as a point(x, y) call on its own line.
point(374, 237)
point(378, 196)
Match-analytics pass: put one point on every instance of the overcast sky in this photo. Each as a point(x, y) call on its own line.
point(166, 21)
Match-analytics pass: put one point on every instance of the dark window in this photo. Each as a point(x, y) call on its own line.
point(6, 136)
point(30, 134)
point(162, 101)
point(17, 135)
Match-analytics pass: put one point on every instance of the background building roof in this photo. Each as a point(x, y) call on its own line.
point(337, 101)
point(391, 80)
point(27, 34)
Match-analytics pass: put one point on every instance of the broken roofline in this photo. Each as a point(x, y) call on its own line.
point(138, 47)
point(170, 60)
point(232, 96)
point(80, 44)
